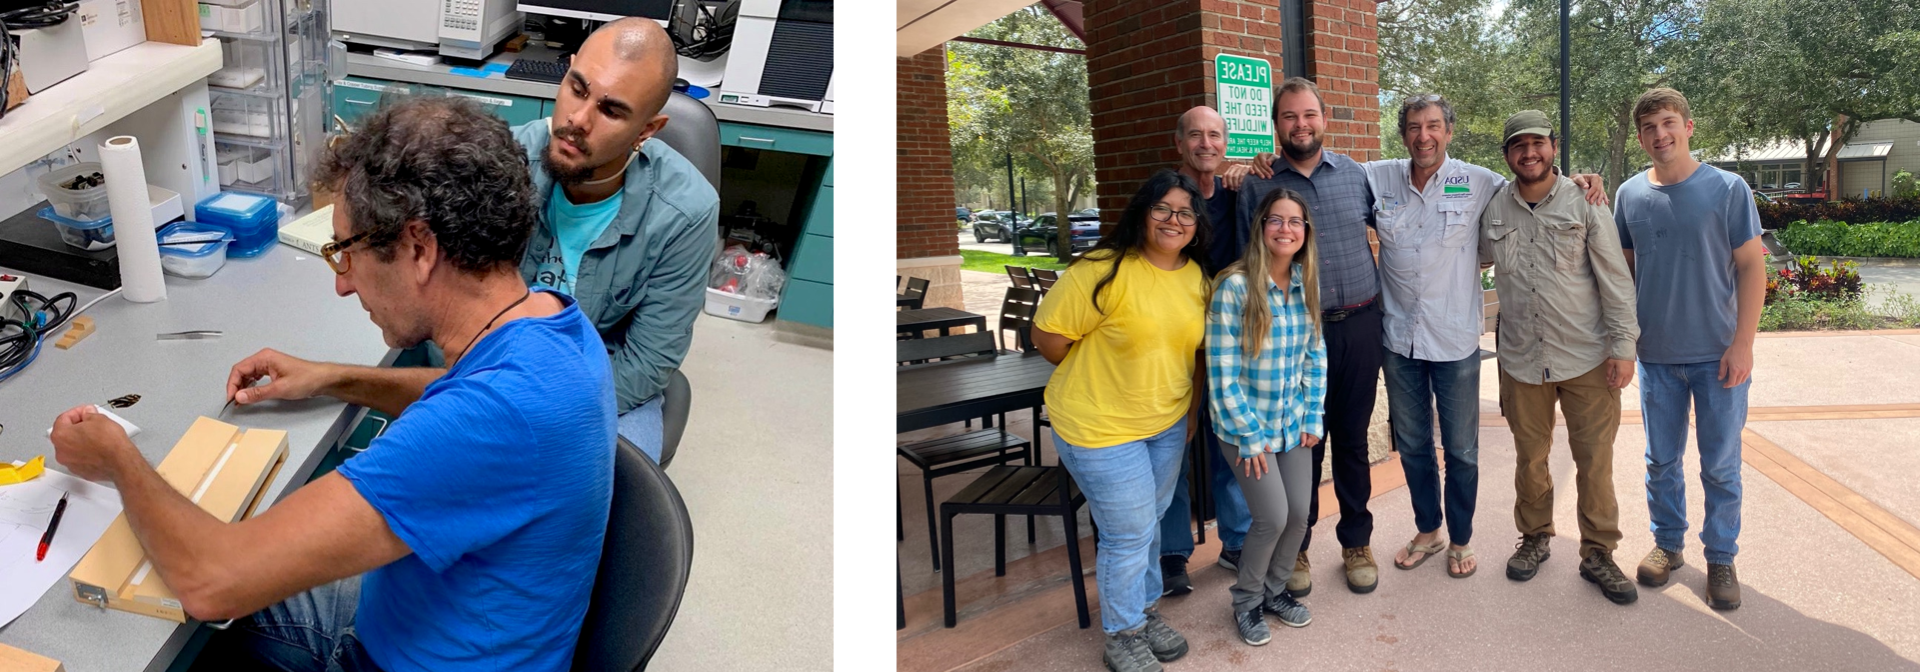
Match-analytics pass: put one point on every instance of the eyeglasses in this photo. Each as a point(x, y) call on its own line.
point(1161, 213)
point(1276, 220)
point(335, 253)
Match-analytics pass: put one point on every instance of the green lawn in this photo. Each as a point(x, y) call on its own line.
point(993, 262)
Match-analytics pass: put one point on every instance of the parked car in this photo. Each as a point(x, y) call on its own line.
point(996, 225)
point(963, 213)
point(1043, 233)
point(1090, 212)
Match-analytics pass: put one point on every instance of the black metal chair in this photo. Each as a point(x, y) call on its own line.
point(673, 415)
point(1020, 275)
point(643, 568)
point(1016, 490)
point(966, 451)
point(1016, 314)
point(1043, 279)
point(916, 292)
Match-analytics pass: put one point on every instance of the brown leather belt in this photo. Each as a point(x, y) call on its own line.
point(1338, 314)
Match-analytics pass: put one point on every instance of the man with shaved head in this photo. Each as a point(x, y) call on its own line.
point(1201, 137)
point(627, 225)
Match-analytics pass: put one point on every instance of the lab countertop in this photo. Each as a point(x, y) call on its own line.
point(369, 65)
point(284, 300)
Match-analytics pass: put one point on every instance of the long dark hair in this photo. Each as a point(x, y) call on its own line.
point(1130, 235)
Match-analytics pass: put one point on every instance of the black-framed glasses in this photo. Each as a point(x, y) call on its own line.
point(1276, 220)
point(335, 253)
point(1161, 213)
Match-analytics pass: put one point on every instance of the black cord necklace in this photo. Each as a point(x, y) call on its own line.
point(496, 318)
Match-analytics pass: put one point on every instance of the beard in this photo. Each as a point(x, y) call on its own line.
point(1546, 173)
point(552, 166)
point(1299, 152)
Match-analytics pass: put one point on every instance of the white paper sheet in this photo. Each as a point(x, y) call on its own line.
point(25, 509)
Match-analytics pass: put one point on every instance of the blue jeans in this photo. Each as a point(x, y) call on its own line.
point(309, 632)
point(1414, 388)
point(1127, 487)
point(1720, 413)
point(643, 426)
point(1229, 507)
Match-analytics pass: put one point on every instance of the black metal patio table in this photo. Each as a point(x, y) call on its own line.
point(942, 318)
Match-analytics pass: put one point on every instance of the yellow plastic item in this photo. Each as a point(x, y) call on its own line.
point(10, 474)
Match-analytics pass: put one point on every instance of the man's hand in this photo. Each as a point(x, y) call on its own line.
point(1736, 365)
point(290, 378)
point(1308, 441)
point(1595, 185)
point(89, 444)
point(1234, 175)
point(1619, 373)
point(1263, 164)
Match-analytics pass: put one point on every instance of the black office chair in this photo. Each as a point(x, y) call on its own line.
point(693, 131)
point(673, 415)
point(643, 568)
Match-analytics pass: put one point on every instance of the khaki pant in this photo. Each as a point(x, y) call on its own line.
point(1593, 419)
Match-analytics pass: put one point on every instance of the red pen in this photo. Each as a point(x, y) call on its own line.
point(46, 539)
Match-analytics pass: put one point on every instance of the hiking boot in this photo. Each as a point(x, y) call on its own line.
point(1253, 627)
point(1163, 641)
point(1362, 574)
point(1173, 576)
point(1127, 652)
point(1723, 587)
point(1598, 567)
point(1527, 556)
point(1290, 611)
point(1230, 560)
point(1658, 566)
point(1301, 582)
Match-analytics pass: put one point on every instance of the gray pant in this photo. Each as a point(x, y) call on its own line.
point(1279, 502)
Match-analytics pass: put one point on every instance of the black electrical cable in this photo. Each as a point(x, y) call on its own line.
point(28, 15)
point(8, 58)
point(16, 349)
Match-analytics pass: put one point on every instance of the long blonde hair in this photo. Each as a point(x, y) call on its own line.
point(1257, 264)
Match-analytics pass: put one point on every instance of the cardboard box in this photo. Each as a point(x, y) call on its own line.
point(16, 90)
point(222, 468)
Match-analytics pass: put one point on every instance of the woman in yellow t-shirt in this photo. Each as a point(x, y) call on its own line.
point(1125, 324)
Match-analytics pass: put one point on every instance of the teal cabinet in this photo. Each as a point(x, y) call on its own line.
point(813, 259)
point(354, 97)
point(808, 302)
point(546, 109)
point(777, 139)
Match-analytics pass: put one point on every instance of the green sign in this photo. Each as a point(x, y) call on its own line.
point(1243, 88)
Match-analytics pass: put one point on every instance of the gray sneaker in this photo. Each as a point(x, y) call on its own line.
point(1290, 611)
point(1253, 626)
point(1127, 652)
point(1165, 643)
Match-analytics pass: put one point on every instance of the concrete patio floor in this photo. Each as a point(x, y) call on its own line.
point(1829, 554)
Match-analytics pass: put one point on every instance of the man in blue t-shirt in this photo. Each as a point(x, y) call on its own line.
point(627, 225)
point(1691, 235)
point(468, 536)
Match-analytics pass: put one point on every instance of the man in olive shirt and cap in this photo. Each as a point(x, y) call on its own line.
point(1566, 333)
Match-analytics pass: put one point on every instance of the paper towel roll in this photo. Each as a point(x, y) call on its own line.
point(140, 279)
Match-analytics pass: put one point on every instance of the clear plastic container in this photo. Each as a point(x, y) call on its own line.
point(179, 256)
point(92, 235)
point(253, 219)
point(85, 204)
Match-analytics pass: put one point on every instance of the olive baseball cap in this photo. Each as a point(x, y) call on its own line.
point(1527, 122)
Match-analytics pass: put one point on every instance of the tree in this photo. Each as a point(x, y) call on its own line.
point(1023, 101)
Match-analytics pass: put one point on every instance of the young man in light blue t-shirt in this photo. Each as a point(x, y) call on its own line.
point(1691, 234)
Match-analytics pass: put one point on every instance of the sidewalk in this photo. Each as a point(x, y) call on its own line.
point(1830, 556)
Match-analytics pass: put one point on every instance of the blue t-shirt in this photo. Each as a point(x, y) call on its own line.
point(575, 227)
point(499, 479)
point(1683, 237)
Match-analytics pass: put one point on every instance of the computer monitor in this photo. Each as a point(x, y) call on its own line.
point(600, 10)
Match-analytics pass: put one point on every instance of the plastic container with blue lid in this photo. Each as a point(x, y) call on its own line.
point(254, 221)
point(192, 250)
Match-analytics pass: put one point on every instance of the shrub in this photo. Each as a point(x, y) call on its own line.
point(1851, 210)
point(1805, 279)
point(1904, 185)
point(1830, 238)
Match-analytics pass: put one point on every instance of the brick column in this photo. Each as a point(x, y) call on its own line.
point(928, 235)
point(1344, 61)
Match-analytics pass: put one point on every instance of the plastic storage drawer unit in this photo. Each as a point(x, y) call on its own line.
point(253, 219)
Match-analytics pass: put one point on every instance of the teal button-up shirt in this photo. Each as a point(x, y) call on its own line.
point(642, 282)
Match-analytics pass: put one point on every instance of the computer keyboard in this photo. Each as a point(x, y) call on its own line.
point(534, 70)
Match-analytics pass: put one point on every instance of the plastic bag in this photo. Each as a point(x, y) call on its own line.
point(764, 277)
point(729, 269)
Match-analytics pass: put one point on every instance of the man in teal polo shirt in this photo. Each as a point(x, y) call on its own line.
point(627, 225)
